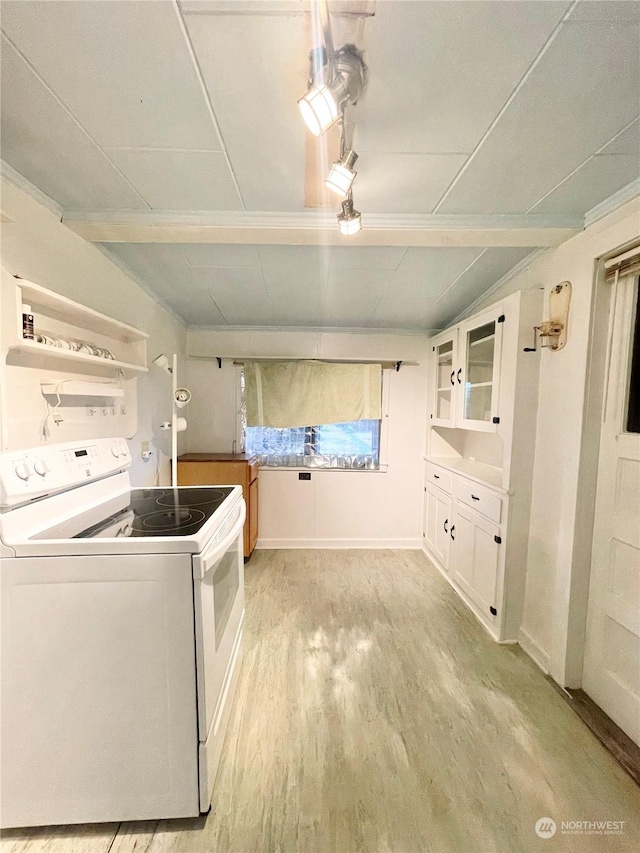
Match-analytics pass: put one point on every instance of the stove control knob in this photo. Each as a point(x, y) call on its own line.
point(24, 470)
point(40, 467)
point(124, 450)
point(115, 450)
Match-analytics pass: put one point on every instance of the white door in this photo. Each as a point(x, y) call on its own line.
point(475, 557)
point(437, 509)
point(612, 648)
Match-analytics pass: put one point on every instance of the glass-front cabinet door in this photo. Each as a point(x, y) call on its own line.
point(478, 375)
point(445, 354)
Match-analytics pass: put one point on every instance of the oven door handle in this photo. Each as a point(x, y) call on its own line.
point(202, 563)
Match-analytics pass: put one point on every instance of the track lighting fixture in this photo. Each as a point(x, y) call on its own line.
point(340, 82)
point(350, 220)
point(341, 176)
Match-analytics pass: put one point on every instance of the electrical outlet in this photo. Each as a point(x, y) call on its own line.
point(146, 448)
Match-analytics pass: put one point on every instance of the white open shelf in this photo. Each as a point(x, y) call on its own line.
point(59, 316)
point(74, 388)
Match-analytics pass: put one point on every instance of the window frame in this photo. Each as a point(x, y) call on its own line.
point(383, 463)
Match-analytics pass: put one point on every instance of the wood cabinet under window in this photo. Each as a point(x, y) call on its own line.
point(225, 469)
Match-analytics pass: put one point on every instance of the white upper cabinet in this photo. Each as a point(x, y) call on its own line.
point(445, 360)
point(478, 373)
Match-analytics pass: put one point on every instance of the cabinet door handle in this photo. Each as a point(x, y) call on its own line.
point(453, 527)
point(446, 529)
point(453, 373)
point(436, 476)
point(459, 372)
point(475, 497)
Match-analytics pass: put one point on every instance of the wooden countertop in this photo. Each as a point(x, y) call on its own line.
point(216, 457)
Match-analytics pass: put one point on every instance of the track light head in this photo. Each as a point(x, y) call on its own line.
point(323, 103)
point(342, 174)
point(350, 220)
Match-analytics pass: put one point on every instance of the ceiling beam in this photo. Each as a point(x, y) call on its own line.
point(319, 228)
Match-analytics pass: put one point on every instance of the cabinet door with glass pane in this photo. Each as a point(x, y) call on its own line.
point(445, 354)
point(478, 373)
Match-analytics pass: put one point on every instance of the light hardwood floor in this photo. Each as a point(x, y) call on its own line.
point(373, 713)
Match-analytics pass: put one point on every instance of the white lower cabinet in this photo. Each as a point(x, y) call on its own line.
point(437, 520)
point(467, 544)
point(475, 558)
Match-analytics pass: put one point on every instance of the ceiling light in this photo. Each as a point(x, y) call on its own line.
point(349, 221)
point(346, 77)
point(342, 174)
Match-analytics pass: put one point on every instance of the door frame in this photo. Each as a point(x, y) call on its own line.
point(597, 364)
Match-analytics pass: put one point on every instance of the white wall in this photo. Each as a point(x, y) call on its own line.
point(334, 508)
point(561, 519)
point(36, 246)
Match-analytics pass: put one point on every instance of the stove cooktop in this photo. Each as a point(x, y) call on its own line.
point(144, 512)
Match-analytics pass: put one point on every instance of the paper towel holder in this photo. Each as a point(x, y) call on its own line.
point(555, 328)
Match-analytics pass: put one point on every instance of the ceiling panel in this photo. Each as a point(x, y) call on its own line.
point(352, 295)
point(366, 257)
point(42, 142)
point(196, 307)
point(440, 72)
point(424, 273)
point(255, 69)
point(393, 312)
point(488, 269)
point(153, 97)
point(592, 183)
point(162, 267)
point(584, 90)
point(403, 183)
point(179, 180)
point(220, 255)
point(286, 268)
point(619, 11)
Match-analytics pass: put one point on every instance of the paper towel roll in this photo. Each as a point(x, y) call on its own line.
point(181, 424)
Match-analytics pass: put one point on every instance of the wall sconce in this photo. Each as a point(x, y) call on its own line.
point(555, 328)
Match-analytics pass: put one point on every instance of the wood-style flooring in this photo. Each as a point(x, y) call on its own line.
point(373, 713)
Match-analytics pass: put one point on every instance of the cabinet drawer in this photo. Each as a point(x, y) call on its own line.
point(439, 477)
point(481, 499)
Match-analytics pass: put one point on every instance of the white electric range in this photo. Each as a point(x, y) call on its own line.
point(121, 633)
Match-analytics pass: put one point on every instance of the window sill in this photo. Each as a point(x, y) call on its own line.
point(382, 469)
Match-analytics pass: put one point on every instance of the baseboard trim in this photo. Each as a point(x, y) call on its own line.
point(339, 544)
point(534, 650)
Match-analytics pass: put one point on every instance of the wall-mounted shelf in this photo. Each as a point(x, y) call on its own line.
point(62, 317)
point(72, 388)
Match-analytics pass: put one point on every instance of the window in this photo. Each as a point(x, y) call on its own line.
point(350, 445)
point(357, 445)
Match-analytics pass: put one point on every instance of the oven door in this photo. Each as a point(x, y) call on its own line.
point(218, 579)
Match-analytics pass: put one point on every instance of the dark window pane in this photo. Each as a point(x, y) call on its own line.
point(633, 412)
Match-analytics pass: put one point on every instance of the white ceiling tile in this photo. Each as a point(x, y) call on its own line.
point(161, 266)
point(584, 90)
point(197, 308)
point(287, 268)
point(394, 312)
point(179, 180)
point(403, 183)
point(483, 274)
point(626, 143)
point(607, 10)
point(123, 68)
point(440, 72)
point(241, 281)
point(594, 182)
point(425, 273)
point(255, 69)
point(354, 294)
point(42, 142)
point(366, 257)
point(220, 255)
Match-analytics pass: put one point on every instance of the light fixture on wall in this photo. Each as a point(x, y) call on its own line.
point(163, 363)
point(350, 220)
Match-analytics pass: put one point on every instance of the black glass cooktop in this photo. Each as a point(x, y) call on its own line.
point(144, 512)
